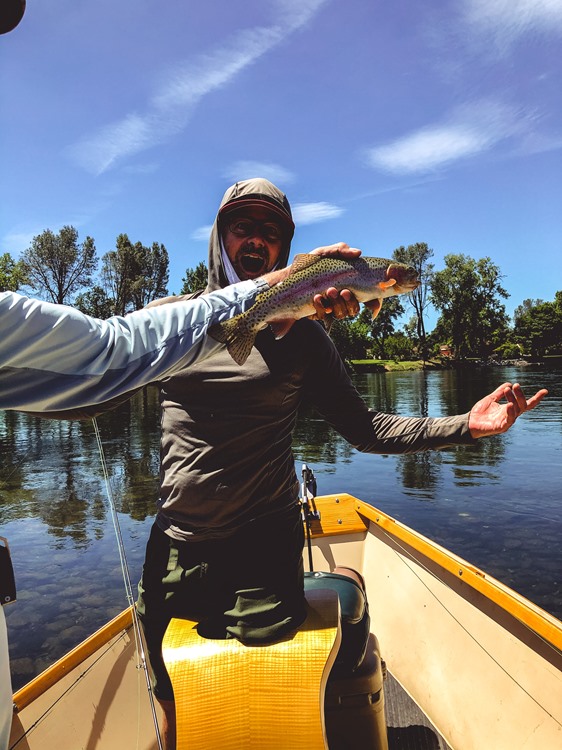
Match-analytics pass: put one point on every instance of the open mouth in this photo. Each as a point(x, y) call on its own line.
point(253, 262)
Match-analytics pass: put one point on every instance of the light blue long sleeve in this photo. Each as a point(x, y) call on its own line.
point(53, 357)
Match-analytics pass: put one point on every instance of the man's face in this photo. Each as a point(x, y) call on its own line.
point(253, 239)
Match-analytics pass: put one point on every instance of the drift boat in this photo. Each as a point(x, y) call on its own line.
point(455, 659)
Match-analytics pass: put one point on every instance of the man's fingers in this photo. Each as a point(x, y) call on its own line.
point(339, 249)
point(536, 399)
point(501, 392)
point(341, 304)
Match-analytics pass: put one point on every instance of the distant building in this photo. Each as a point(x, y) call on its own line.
point(445, 351)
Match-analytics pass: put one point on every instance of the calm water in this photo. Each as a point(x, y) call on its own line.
point(496, 504)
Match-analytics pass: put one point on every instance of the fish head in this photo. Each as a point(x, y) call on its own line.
point(405, 277)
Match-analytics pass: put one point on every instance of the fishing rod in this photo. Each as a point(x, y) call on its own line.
point(127, 582)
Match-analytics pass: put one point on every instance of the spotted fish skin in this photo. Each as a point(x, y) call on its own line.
point(368, 279)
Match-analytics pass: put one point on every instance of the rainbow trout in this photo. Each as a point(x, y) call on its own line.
point(368, 278)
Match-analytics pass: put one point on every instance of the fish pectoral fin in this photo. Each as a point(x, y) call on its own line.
point(304, 260)
point(375, 306)
point(387, 284)
point(280, 328)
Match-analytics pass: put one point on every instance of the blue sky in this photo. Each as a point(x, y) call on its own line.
point(385, 123)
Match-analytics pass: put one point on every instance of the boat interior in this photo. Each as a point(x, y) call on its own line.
point(405, 646)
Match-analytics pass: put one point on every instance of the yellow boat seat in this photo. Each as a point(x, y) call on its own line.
point(237, 697)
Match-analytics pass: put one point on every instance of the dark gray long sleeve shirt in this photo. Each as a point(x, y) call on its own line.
point(227, 430)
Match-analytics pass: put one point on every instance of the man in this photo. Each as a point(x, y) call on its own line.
point(226, 545)
point(55, 359)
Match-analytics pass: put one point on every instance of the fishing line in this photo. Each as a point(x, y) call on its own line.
point(139, 645)
point(407, 557)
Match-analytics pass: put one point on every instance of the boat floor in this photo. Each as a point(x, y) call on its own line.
point(408, 727)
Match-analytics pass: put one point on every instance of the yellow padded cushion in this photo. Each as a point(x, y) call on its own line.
point(238, 697)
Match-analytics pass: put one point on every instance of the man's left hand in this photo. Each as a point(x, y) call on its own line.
point(490, 417)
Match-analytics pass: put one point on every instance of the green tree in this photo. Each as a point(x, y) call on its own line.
point(538, 326)
point(151, 272)
point(398, 346)
point(195, 279)
point(351, 338)
point(117, 274)
point(381, 327)
point(57, 266)
point(526, 306)
point(95, 302)
point(12, 274)
point(418, 256)
point(467, 292)
point(134, 275)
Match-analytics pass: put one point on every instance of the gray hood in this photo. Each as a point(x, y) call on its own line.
point(244, 193)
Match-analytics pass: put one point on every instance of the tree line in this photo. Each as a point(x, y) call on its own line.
point(60, 269)
point(467, 293)
point(472, 323)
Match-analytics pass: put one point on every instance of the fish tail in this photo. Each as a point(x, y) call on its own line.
point(237, 335)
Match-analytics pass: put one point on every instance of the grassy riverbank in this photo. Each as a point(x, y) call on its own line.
point(391, 365)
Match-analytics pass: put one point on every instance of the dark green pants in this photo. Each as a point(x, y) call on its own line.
point(248, 586)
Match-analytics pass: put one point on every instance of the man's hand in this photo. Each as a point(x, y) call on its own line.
point(340, 304)
point(490, 417)
point(337, 304)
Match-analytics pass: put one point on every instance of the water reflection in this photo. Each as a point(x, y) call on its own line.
point(481, 501)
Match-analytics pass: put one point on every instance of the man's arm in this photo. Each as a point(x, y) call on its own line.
point(330, 389)
point(54, 357)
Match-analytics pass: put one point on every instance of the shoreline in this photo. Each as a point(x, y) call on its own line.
point(386, 365)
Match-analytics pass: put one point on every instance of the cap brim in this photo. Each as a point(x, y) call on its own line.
point(253, 202)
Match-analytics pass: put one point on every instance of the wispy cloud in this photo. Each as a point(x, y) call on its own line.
point(244, 170)
point(312, 213)
point(17, 241)
point(469, 131)
point(507, 20)
point(202, 234)
point(168, 111)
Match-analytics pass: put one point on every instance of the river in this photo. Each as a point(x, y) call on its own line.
point(497, 504)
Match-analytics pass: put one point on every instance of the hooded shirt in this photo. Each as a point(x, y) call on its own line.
point(256, 192)
point(227, 430)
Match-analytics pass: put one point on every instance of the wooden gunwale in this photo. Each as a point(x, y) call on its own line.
point(532, 616)
point(28, 693)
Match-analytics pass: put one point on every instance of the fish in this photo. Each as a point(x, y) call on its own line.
point(370, 280)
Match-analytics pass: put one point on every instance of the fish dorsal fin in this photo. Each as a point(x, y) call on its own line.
point(304, 260)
